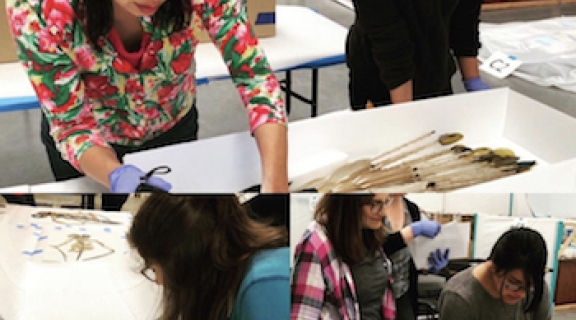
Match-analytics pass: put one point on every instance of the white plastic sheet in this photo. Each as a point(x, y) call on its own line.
point(547, 49)
point(454, 235)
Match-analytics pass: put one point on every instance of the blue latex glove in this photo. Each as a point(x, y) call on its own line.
point(126, 178)
point(426, 228)
point(475, 84)
point(438, 260)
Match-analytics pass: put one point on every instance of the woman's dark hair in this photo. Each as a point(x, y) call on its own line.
point(270, 207)
point(524, 249)
point(202, 244)
point(341, 215)
point(98, 17)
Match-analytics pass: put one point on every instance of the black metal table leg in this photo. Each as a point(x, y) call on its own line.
point(314, 100)
point(288, 82)
point(88, 201)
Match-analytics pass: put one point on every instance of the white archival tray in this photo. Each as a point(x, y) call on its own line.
point(494, 118)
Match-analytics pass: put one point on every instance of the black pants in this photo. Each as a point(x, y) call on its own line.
point(186, 130)
point(404, 308)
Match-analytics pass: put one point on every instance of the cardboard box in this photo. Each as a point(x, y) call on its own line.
point(493, 118)
point(7, 49)
point(262, 16)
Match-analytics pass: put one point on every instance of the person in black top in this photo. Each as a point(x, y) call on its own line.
point(399, 50)
point(465, 42)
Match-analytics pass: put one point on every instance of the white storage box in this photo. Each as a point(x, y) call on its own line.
point(495, 118)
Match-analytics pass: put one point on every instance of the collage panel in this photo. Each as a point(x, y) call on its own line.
point(161, 256)
point(287, 159)
point(433, 256)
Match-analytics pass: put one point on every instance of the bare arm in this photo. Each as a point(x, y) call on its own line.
point(98, 162)
point(403, 93)
point(272, 140)
point(469, 67)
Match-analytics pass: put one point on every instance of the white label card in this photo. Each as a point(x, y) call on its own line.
point(500, 65)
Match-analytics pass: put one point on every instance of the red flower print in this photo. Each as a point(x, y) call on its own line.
point(34, 26)
point(178, 38)
point(47, 41)
point(230, 35)
point(259, 115)
point(85, 58)
point(181, 63)
point(17, 20)
point(57, 13)
point(245, 40)
point(43, 92)
point(99, 86)
point(110, 102)
point(122, 66)
point(150, 59)
point(82, 139)
point(150, 113)
point(130, 131)
point(247, 70)
point(133, 86)
point(271, 83)
point(166, 94)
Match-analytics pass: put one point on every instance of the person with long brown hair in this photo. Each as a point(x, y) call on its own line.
point(341, 265)
point(213, 261)
point(118, 76)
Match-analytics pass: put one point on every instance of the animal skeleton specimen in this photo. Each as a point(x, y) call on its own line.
point(78, 218)
point(80, 244)
point(420, 165)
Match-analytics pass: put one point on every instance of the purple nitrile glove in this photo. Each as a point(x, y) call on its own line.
point(126, 178)
point(475, 84)
point(438, 260)
point(426, 228)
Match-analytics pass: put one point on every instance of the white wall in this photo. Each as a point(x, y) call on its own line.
point(562, 206)
point(482, 203)
point(301, 212)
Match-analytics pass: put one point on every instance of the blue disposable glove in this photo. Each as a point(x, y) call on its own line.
point(475, 84)
point(438, 260)
point(126, 178)
point(426, 228)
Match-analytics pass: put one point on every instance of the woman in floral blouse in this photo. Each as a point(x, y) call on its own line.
point(117, 76)
point(341, 265)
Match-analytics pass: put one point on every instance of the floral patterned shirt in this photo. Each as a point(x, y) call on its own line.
point(95, 98)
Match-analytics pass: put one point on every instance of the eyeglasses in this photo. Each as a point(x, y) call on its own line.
point(377, 205)
point(516, 287)
point(149, 273)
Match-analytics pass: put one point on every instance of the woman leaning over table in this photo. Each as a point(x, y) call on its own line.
point(341, 265)
point(117, 76)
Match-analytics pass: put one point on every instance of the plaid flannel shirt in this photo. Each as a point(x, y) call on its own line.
point(322, 284)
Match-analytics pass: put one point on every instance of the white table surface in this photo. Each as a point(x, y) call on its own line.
point(303, 38)
point(107, 288)
point(230, 163)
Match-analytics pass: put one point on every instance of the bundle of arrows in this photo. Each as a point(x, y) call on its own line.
point(424, 164)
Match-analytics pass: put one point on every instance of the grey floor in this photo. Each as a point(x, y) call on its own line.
point(221, 111)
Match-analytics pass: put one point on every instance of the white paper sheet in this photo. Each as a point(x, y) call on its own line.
point(42, 286)
point(454, 235)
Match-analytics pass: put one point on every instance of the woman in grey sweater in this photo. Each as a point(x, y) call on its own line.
point(509, 286)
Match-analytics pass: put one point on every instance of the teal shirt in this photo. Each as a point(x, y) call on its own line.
point(265, 290)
